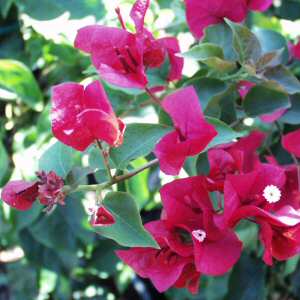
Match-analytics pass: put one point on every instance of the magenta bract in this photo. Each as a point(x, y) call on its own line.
point(192, 132)
point(82, 115)
point(122, 57)
point(201, 14)
point(291, 142)
point(20, 194)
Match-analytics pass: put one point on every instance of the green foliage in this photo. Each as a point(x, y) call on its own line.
point(64, 257)
point(139, 140)
point(247, 280)
point(127, 230)
point(57, 158)
point(17, 79)
point(263, 99)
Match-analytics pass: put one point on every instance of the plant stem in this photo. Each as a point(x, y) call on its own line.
point(239, 75)
point(152, 96)
point(105, 159)
point(114, 180)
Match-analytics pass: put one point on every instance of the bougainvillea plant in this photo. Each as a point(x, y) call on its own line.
point(227, 137)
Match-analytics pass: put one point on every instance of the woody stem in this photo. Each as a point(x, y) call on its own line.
point(155, 99)
point(113, 181)
point(105, 159)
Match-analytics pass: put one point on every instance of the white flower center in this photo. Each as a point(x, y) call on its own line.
point(199, 235)
point(272, 193)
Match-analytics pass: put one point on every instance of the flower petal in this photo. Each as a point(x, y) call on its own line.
point(20, 194)
point(138, 13)
point(171, 44)
point(67, 104)
point(291, 142)
point(217, 257)
point(259, 5)
point(201, 14)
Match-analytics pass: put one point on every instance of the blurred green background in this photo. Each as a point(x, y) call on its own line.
point(58, 256)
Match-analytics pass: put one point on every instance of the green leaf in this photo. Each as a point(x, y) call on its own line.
point(245, 43)
point(269, 59)
point(292, 116)
point(57, 158)
point(271, 40)
point(139, 140)
point(4, 162)
point(247, 280)
point(78, 175)
point(208, 89)
point(23, 219)
point(39, 255)
point(138, 185)
point(19, 82)
point(284, 77)
point(5, 6)
point(76, 218)
point(220, 65)
point(22, 281)
point(203, 51)
point(225, 133)
point(222, 105)
point(103, 258)
point(221, 35)
point(47, 9)
point(54, 232)
point(289, 9)
point(128, 230)
point(202, 164)
point(211, 55)
point(263, 99)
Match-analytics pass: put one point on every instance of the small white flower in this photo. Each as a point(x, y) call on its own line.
point(199, 235)
point(272, 193)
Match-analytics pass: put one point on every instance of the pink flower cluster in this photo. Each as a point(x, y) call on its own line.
point(122, 57)
point(21, 194)
point(197, 235)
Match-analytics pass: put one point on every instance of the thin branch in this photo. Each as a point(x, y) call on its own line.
point(114, 180)
point(105, 159)
point(155, 99)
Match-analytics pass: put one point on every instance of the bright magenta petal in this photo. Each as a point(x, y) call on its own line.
point(184, 198)
point(184, 108)
point(291, 142)
point(84, 38)
point(192, 133)
point(67, 99)
point(217, 257)
point(79, 116)
point(295, 50)
point(270, 118)
point(138, 13)
point(99, 116)
point(116, 54)
point(171, 154)
point(20, 194)
point(102, 217)
point(172, 46)
point(155, 264)
point(163, 269)
point(189, 279)
point(259, 5)
point(201, 14)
